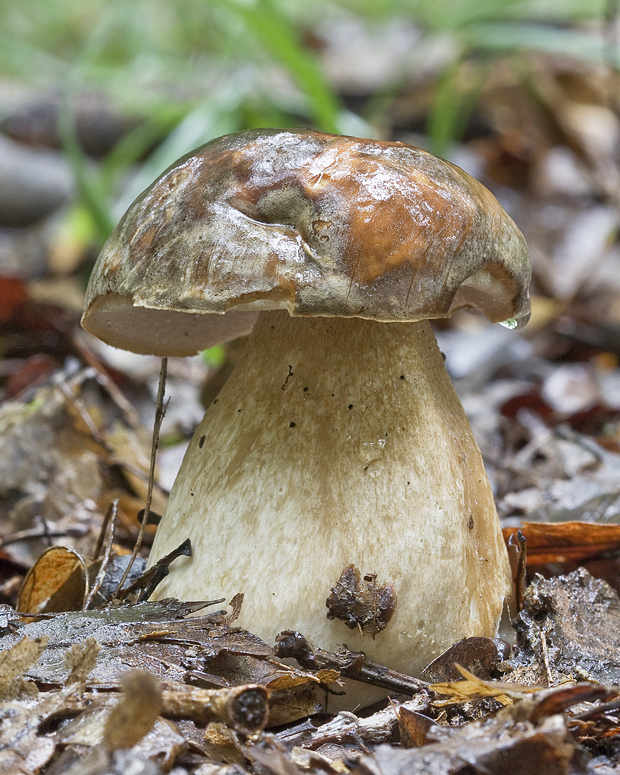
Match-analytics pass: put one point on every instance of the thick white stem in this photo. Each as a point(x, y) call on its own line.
point(339, 442)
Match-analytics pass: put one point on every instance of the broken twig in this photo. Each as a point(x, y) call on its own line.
point(350, 664)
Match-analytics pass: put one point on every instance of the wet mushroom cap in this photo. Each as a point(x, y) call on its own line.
point(317, 224)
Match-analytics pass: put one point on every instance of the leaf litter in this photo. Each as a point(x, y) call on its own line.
point(94, 679)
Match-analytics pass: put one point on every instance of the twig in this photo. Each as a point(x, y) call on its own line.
point(346, 727)
point(111, 517)
point(100, 373)
point(598, 710)
point(32, 533)
point(350, 664)
point(111, 512)
point(160, 412)
point(155, 574)
point(545, 653)
point(78, 405)
point(243, 708)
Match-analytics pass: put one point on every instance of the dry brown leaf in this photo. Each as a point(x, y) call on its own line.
point(81, 658)
point(14, 663)
point(222, 744)
point(58, 581)
point(414, 727)
point(136, 712)
point(569, 627)
point(163, 743)
point(60, 457)
point(566, 541)
point(297, 678)
point(494, 746)
point(477, 654)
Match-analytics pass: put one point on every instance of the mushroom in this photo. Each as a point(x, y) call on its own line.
point(335, 480)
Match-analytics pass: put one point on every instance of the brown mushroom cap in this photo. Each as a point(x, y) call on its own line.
point(318, 224)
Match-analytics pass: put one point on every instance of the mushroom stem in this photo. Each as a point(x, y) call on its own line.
point(340, 442)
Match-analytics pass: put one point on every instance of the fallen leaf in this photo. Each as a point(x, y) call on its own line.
point(135, 713)
point(58, 581)
point(566, 541)
point(15, 663)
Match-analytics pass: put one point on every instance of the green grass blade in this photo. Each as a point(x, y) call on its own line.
point(274, 31)
point(537, 37)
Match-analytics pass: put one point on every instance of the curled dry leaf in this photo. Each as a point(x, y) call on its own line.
point(293, 678)
point(163, 743)
point(567, 541)
point(58, 581)
point(414, 727)
point(222, 744)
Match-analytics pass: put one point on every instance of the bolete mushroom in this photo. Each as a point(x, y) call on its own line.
point(335, 480)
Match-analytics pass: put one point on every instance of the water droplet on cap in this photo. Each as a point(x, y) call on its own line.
point(519, 320)
point(510, 323)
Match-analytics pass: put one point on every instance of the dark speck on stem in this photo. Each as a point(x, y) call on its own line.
point(291, 425)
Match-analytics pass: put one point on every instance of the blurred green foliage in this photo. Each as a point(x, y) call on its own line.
point(190, 70)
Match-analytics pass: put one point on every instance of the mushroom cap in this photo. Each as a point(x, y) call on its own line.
point(318, 224)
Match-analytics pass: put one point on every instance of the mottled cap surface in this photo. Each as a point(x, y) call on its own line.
point(313, 223)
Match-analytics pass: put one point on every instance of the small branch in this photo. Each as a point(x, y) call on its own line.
point(78, 405)
point(348, 728)
point(243, 708)
point(149, 580)
point(350, 664)
point(35, 533)
point(160, 412)
point(112, 512)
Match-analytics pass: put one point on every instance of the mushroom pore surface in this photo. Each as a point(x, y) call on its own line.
point(338, 443)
